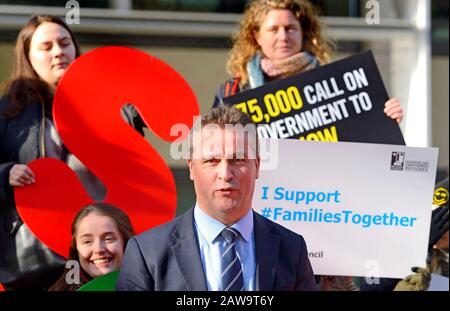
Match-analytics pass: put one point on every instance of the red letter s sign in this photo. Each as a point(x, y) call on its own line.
point(87, 108)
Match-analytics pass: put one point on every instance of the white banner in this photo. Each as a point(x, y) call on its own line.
point(363, 209)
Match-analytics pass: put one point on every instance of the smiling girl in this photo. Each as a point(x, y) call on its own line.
point(100, 233)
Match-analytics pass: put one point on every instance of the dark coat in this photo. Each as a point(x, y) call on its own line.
point(168, 258)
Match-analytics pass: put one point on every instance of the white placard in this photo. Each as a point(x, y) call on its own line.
point(363, 209)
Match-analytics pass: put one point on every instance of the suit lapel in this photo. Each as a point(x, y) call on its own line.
point(186, 251)
point(266, 247)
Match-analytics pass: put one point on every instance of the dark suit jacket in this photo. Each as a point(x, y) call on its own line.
point(168, 258)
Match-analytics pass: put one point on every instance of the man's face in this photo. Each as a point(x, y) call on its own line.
point(223, 172)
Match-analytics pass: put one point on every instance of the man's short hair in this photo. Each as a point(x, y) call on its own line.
point(225, 116)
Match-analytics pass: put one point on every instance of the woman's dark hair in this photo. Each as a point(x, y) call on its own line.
point(24, 86)
point(117, 215)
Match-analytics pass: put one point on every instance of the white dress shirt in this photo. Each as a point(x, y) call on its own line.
point(211, 246)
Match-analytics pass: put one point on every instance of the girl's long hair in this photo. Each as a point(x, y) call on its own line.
point(25, 87)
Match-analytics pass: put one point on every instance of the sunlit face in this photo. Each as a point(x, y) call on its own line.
point(280, 35)
point(51, 52)
point(224, 174)
point(100, 245)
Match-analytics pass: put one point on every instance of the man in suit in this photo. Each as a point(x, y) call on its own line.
point(220, 243)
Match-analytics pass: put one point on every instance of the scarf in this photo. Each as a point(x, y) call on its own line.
point(259, 66)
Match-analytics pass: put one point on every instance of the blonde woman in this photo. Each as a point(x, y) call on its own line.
point(277, 39)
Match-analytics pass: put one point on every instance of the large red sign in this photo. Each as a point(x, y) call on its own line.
point(87, 107)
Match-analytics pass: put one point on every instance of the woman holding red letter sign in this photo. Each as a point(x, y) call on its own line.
point(44, 49)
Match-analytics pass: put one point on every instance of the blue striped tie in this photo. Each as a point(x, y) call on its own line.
point(232, 278)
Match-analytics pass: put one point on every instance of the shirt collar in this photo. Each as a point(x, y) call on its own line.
point(211, 227)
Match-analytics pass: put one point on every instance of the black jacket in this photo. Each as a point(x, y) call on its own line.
point(25, 262)
point(168, 257)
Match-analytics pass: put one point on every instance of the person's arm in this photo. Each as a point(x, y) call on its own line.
point(131, 115)
point(12, 175)
point(20, 175)
point(217, 101)
point(419, 281)
point(393, 109)
point(5, 165)
point(305, 277)
point(5, 188)
point(218, 97)
point(439, 225)
point(134, 275)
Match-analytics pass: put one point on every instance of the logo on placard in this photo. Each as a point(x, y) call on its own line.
point(440, 196)
point(397, 161)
